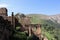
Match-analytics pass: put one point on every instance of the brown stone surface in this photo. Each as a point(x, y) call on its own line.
point(3, 11)
point(31, 28)
point(5, 29)
point(7, 24)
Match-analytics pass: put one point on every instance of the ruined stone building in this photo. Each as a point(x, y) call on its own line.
point(7, 24)
point(4, 14)
point(30, 28)
point(10, 21)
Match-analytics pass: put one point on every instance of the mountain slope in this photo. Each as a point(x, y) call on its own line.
point(54, 18)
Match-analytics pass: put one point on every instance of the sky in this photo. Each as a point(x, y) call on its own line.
point(48, 7)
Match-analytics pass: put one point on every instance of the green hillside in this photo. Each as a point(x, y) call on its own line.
point(49, 28)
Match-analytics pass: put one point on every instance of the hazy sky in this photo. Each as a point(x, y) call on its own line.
point(48, 7)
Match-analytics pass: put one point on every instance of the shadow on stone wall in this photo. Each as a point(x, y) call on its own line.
point(5, 29)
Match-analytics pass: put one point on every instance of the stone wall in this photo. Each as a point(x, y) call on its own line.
point(30, 28)
point(7, 24)
point(5, 29)
point(10, 22)
point(3, 11)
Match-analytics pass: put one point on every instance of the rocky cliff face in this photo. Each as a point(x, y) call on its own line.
point(55, 18)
